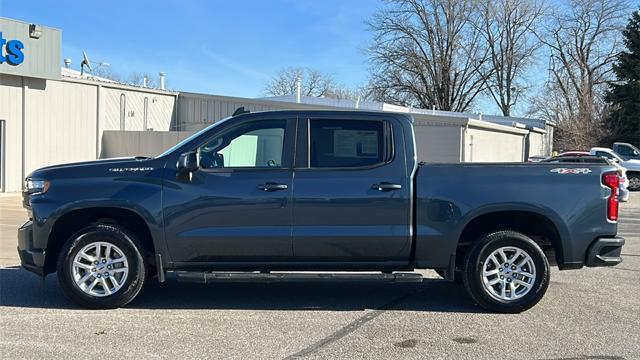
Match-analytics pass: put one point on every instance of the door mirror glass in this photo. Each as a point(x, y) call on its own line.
point(188, 162)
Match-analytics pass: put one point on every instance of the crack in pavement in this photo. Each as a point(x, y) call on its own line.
point(351, 327)
point(625, 269)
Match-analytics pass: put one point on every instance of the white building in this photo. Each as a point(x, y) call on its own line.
point(50, 115)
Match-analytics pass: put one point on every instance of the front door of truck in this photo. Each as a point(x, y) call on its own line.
point(351, 193)
point(237, 206)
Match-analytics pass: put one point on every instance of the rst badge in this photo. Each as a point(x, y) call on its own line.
point(575, 171)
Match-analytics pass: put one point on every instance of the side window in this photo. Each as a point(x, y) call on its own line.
point(348, 143)
point(258, 144)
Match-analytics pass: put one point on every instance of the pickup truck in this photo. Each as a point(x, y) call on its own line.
point(632, 166)
point(315, 191)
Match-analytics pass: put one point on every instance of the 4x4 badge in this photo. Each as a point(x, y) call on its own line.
point(571, 170)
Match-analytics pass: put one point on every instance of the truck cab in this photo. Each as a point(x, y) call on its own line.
point(627, 150)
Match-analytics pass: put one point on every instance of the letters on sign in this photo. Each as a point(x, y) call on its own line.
point(11, 51)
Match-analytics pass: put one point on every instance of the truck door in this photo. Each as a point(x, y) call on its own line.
point(351, 193)
point(237, 206)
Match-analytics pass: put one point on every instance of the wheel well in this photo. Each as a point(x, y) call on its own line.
point(538, 227)
point(75, 220)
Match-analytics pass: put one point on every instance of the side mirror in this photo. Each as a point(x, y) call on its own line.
point(188, 162)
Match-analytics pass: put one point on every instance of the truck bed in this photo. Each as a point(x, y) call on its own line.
point(449, 197)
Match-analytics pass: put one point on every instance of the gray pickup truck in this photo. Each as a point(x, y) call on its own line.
point(315, 191)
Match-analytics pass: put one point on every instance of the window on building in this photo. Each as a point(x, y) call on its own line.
point(257, 144)
point(348, 143)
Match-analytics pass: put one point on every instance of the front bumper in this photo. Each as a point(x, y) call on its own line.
point(605, 252)
point(31, 258)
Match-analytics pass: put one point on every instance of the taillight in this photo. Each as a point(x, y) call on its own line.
point(612, 180)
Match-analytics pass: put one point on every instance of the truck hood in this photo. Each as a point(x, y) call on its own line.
point(102, 167)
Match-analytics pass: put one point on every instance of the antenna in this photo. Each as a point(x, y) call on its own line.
point(85, 62)
point(240, 111)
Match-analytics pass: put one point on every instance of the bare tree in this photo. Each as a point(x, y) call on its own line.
point(105, 72)
point(583, 40)
point(137, 79)
point(427, 53)
point(313, 83)
point(571, 133)
point(508, 28)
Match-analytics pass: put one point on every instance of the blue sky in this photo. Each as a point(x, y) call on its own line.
point(219, 47)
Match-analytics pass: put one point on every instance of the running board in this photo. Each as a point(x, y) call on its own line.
point(211, 277)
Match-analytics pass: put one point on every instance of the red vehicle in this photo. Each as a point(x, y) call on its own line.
point(575, 153)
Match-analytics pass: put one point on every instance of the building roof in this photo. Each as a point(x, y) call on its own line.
point(380, 106)
point(76, 76)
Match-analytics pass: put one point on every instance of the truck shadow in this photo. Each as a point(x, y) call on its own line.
point(19, 288)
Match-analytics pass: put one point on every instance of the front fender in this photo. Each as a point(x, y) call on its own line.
point(140, 196)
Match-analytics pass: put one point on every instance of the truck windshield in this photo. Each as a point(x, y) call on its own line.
point(193, 136)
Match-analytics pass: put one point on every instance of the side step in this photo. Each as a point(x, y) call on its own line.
point(211, 277)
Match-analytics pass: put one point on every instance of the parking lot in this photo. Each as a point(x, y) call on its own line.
point(587, 314)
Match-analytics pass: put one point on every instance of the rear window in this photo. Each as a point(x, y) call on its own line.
point(348, 143)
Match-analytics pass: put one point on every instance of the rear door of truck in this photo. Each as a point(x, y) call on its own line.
point(351, 192)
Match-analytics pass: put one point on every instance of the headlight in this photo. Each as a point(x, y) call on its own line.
point(36, 186)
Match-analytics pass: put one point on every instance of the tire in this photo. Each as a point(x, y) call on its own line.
point(634, 182)
point(523, 287)
point(117, 278)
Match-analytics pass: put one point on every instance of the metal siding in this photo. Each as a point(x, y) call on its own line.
point(536, 144)
point(60, 120)
point(161, 111)
point(483, 145)
point(147, 143)
point(11, 112)
point(198, 110)
point(161, 108)
point(438, 144)
point(41, 56)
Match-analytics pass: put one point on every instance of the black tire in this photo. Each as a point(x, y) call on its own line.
point(634, 181)
point(115, 235)
point(474, 265)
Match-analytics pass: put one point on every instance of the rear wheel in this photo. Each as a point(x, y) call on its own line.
point(102, 267)
point(506, 271)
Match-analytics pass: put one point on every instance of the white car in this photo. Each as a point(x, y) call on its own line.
point(631, 165)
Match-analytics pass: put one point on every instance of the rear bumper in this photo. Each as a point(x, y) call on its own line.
point(31, 259)
point(605, 252)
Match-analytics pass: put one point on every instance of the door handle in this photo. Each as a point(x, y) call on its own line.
point(271, 186)
point(386, 186)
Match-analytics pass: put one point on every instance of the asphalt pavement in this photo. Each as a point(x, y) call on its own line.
point(586, 314)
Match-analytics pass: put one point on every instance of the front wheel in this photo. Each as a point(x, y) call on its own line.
point(506, 271)
point(101, 267)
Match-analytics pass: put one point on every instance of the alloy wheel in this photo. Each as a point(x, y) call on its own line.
point(100, 269)
point(508, 273)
